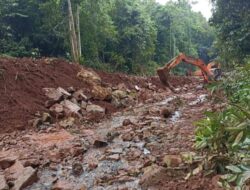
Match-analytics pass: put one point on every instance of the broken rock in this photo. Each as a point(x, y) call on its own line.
point(95, 109)
point(172, 161)
point(56, 94)
point(101, 93)
point(150, 174)
point(20, 176)
point(69, 122)
point(89, 77)
point(46, 117)
point(92, 165)
point(28, 177)
point(114, 157)
point(63, 92)
point(56, 109)
point(100, 143)
point(119, 94)
point(62, 185)
point(166, 112)
point(126, 122)
point(6, 162)
point(3, 184)
point(70, 106)
point(12, 173)
point(79, 95)
point(77, 169)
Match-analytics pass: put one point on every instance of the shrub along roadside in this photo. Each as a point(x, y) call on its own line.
point(225, 136)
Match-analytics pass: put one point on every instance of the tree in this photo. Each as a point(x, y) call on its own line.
point(231, 20)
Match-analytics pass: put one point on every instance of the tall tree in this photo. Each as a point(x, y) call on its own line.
point(231, 20)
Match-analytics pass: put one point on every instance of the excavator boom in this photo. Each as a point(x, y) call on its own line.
point(163, 72)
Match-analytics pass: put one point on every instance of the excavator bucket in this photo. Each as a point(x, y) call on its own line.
point(163, 75)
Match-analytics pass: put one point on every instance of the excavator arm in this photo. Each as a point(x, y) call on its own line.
point(163, 72)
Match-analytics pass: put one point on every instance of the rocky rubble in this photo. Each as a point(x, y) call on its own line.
point(145, 143)
point(15, 175)
point(65, 105)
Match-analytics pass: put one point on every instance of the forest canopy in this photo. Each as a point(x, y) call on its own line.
point(133, 36)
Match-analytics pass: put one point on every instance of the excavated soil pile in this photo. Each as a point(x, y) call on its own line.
point(22, 82)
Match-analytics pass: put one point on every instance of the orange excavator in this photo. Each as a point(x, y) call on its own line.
point(209, 72)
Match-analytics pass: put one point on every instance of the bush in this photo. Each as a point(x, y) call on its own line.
point(228, 133)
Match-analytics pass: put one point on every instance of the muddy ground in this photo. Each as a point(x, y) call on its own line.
point(67, 127)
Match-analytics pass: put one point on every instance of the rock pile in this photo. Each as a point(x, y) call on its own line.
point(14, 175)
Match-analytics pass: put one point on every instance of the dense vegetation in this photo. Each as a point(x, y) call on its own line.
point(225, 135)
point(123, 35)
point(231, 20)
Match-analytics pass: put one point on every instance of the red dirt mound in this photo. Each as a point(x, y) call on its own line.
point(21, 84)
point(22, 81)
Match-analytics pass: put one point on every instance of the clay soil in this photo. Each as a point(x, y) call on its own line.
point(22, 81)
point(21, 97)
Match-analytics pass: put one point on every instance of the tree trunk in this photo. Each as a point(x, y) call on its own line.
point(78, 30)
point(72, 33)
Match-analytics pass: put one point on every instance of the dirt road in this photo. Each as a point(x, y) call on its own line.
point(141, 146)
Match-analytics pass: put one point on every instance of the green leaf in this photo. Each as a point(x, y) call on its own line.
point(238, 138)
point(234, 169)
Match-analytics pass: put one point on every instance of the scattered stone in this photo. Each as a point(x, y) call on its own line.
point(101, 93)
point(46, 117)
point(62, 185)
point(150, 174)
point(166, 113)
point(83, 105)
point(119, 94)
point(172, 161)
point(28, 177)
point(77, 169)
point(34, 163)
point(54, 156)
point(67, 123)
point(115, 157)
point(82, 187)
point(199, 87)
point(71, 89)
point(95, 109)
point(89, 77)
point(128, 136)
point(92, 165)
point(6, 162)
point(3, 183)
point(56, 109)
point(79, 96)
point(53, 94)
point(126, 122)
point(115, 151)
point(63, 92)
point(77, 151)
point(70, 106)
point(137, 88)
point(49, 103)
point(12, 173)
point(37, 122)
point(100, 143)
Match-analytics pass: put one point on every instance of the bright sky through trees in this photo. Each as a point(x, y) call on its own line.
point(202, 6)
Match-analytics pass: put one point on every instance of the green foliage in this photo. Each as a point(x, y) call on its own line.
point(231, 20)
point(228, 133)
point(132, 36)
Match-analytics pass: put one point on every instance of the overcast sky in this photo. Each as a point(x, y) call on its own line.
point(202, 6)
